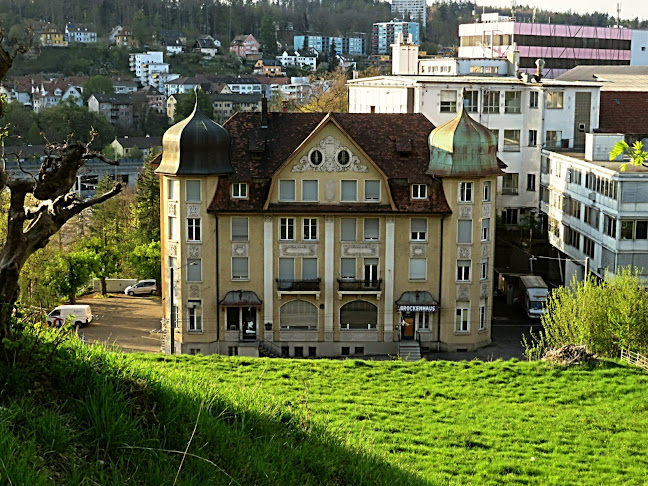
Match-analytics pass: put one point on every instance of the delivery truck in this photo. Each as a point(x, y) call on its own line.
point(533, 295)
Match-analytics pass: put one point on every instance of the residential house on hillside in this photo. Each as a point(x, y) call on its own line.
point(20, 88)
point(156, 100)
point(49, 35)
point(174, 42)
point(124, 146)
point(123, 85)
point(225, 105)
point(207, 46)
point(268, 67)
point(244, 45)
point(124, 37)
point(84, 34)
point(304, 60)
point(339, 234)
point(117, 108)
point(50, 93)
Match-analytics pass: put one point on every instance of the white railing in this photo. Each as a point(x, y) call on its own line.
point(634, 358)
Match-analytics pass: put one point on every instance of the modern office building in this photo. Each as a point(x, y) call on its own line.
point(354, 45)
point(561, 47)
point(386, 33)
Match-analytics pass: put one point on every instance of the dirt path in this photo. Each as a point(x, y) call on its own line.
point(130, 323)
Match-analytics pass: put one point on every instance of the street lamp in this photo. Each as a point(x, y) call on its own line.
point(173, 319)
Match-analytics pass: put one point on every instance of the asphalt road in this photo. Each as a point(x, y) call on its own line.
point(131, 324)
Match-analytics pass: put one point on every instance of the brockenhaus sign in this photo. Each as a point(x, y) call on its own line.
point(417, 308)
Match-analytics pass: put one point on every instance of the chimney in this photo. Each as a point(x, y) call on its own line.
point(284, 106)
point(264, 112)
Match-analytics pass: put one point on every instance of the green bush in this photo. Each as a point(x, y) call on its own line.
point(605, 315)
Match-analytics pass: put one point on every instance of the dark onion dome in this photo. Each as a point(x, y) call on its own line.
point(463, 147)
point(196, 146)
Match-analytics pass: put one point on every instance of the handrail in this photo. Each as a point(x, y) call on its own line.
point(359, 285)
point(271, 348)
point(296, 285)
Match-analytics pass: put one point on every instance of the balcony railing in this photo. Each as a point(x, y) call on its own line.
point(303, 285)
point(352, 285)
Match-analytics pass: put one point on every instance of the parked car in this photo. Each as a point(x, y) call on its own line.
point(142, 287)
point(81, 315)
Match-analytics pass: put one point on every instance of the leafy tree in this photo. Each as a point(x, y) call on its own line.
point(187, 101)
point(98, 84)
point(142, 29)
point(328, 94)
point(18, 119)
point(66, 273)
point(604, 315)
point(107, 258)
point(109, 152)
point(147, 202)
point(135, 153)
point(71, 120)
point(268, 37)
point(111, 221)
point(146, 259)
point(636, 153)
point(38, 207)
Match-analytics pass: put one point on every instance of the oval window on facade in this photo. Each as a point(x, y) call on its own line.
point(343, 157)
point(316, 157)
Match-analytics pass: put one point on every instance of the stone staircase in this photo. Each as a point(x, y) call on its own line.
point(409, 351)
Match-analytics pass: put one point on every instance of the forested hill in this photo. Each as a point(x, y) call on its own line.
point(226, 19)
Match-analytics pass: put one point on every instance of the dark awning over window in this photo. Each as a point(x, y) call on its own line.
point(241, 297)
point(417, 301)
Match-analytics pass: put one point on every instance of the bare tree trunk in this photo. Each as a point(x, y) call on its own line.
point(104, 289)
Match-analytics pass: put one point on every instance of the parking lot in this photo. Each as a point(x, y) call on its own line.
point(131, 324)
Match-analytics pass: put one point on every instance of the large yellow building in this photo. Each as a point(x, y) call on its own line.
point(339, 234)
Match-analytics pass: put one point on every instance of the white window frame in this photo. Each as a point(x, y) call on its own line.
point(308, 225)
point(511, 140)
point(188, 182)
point(355, 269)
point(373, 199)
point(172, 189)
point(465, 192)
point(534, 99)
point(419, 191)
point(342, 184)
point(194, 320)
point(172, 230)
point(483, 269)
point(485, 232)
point(482, 315)
point(316, 190)
point(533, 138)
point(470, 223)
point(247, 272)
point(364, 229)
point(416, 235)
point(355, 227)
point(285, 224)
point(239, 190)
point(462, 320)
point(191, 264)
point(555, 100)
point(448, 101)
point(284, 183)
point(513, 102)
point(193, 230)
point(486, 191)
point(247, 229)
point(418, 279)
point(488, 101)
point(463, 270)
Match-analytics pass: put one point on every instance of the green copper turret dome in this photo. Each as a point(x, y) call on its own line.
point(463, 147)
point(196, 146)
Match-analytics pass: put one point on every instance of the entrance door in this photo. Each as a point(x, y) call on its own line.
point(407, 326)
point(249, 323)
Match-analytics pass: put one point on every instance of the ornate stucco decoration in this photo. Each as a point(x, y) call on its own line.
point(486, 211)
point(463, 293)
point(194, 251)
point(267, 218)
point(193, 210)
point(292, 250)
point(464, 252)
point(330, 147)
point(418, 251)
point(465, 211)
point(172, 249)
point(173, 209)
point(239, 249)
point(194, 291)
point(360, 250)
point(485, 250)
point(483, 291)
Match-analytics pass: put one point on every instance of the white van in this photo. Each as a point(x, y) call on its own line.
point(82, 315)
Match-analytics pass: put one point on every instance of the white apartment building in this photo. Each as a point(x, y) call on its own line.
point(525, 116)
point(412, 9)
point(596, 212)
point(308, 61)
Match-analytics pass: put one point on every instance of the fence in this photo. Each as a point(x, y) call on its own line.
point(634, 358)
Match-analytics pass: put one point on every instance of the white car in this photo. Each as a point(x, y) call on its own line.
point(142, 287)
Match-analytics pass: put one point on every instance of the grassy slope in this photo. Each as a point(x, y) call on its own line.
point(279, 422)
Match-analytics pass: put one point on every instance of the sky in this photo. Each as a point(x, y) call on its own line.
point(629, 8)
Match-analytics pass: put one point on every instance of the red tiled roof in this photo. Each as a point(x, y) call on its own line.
point(381, 136)
point(624, 112)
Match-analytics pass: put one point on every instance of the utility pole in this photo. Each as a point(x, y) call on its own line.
point(171, 323)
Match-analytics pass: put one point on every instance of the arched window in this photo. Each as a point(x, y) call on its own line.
point(298, 314)
point(358, 315)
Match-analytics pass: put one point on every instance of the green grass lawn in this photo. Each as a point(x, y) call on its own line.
point(126, 419)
